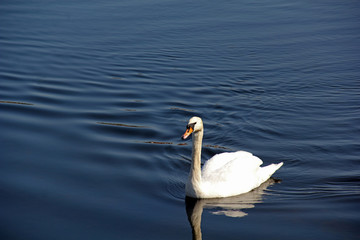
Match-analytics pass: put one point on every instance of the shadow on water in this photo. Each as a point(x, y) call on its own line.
point(230, 207)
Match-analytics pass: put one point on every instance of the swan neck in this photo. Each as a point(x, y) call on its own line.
point(196, 157)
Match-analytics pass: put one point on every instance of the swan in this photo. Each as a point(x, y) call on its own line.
point(225, 174)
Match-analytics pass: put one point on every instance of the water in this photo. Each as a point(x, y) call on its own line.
point(94, 97)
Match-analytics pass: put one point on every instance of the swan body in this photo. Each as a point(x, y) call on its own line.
point(225, 174)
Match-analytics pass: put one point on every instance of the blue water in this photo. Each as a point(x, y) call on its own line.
point(94, 96)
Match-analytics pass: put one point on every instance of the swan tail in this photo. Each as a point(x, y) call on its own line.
point(266, 172)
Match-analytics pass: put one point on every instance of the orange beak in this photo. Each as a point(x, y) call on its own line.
point(187, 133)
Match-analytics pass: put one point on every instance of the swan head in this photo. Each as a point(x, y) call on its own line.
point(195, 124)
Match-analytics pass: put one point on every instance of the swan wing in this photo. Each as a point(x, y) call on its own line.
point(228, 174)
point(231, 162)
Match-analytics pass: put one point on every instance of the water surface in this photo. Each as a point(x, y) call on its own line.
point(95, 96)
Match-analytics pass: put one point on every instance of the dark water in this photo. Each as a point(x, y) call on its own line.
point(94, 96)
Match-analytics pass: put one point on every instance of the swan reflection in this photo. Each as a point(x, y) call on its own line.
point(231, 206)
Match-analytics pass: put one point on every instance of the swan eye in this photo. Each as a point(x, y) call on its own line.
point(191, 125)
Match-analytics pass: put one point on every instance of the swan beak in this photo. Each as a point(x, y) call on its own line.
point(188, 132)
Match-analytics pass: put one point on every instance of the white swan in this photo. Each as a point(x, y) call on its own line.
point(225, 174)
